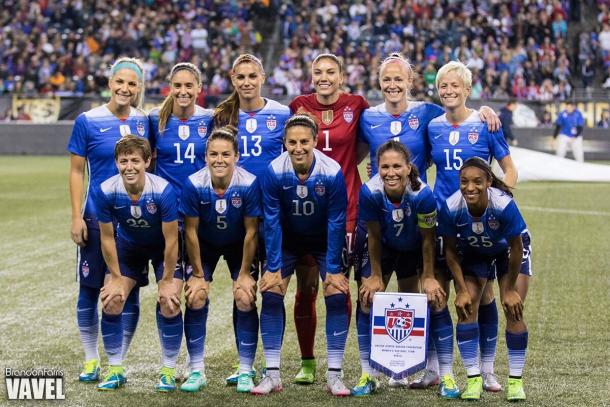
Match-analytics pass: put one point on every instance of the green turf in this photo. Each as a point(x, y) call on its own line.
point(567, 307)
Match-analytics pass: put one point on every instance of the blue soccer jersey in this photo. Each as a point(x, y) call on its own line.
point(488, 234)
point(221, 217)
point(139, 222)
point(451, 145)
point(314, 209)
point(181, 146)
point(400, 222)
point(94, 136)
point(568, 122)
point(377, 126)
point(260, 136)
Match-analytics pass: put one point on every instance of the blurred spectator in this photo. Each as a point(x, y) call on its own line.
point(506, 118)
point(547, 120)
point(604, 122)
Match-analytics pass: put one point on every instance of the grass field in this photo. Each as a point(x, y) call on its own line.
point(567, 307)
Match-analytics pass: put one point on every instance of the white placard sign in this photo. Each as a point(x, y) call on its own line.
point(399, 326)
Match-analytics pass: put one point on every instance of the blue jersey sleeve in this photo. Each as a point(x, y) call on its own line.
point(253, 200)
point(446, 223)
point(337, 208)
point(497, 144)
point(189, 201)
point(169, 204)
point(367, 207)
point(272, 217)
point(512, 221)
point(78, 139)
point(104, 212)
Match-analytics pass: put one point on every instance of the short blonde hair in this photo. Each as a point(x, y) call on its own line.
point(459, 68)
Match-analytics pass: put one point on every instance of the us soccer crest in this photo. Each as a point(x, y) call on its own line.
point(454, 137)
point(302, 191)
point(236, 201)
point(140, 128)
point(413, 122)
point(320, 189)
point(136, 211)
point(399, 324)
point(221, 206)
point(478, 228)
point(183, 132)
point(473, 136)
point(493, 223)
point(327, 117)
point(251, 125)
point(271, 123)
point(395, 127)
point(85, 269)
point(348, 115)
point(398, 215)
point(151, 207)
point(202, 129)
point(124, 130)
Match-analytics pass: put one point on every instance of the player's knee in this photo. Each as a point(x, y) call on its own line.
point(114, 307)
point(167, 311)
point(331, 290)
point(365, 308)
point(198, 300)
point(242, 301)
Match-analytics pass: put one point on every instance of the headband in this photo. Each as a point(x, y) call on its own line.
point(128, 65)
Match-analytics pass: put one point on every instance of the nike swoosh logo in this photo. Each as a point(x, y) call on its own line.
point(335, 333)
point(204, 203)
point(170, 336)
point(195, 340)
point(374, 127)
point(461, 224)
point(444, 338)
point(105, 130)
point(246, 344)
point(83, 309)
point(107, 335)
point(435, 137)
point(464, 342)
point(119, 207)
point(492, 339)
point(287, 187)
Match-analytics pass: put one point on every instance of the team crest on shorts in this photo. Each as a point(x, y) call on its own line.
point(151, 207)
point(493, 223)
point(478, 228)
point(398, 215)
point(140, 128)
point(251, 125)
point(136, 211)
point(327, 117)
point(454, 137)
point(271, 123)
point(302, 191)
point(124, 130)
point(473, 136)
point(236, 200)
point(202, 129)
point(84, 268)
point(395, 127)
point(184, 132)
point(348, 114)
point(320, 189)
point(413, 122)
point(399, 323)
point(221, 206)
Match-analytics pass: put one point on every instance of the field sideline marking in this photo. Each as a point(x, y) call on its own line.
point(560, 210)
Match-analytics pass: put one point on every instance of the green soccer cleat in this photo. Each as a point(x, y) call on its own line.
point(232, 380)
point(474, 389)
point(114, 379)
point(245, 384)
point(448, 388)
point(307, 374)
point(91, 371)
point(514, 390)
point(167, 380)
point(366, 386)
point(195, 382)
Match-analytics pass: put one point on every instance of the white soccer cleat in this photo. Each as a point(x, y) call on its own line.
point(335, 386)
point(430, 378)
point(490, 383)
point(266, 386)
point(398, 383)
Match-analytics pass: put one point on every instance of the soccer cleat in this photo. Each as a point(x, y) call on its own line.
point(194, 383)
point(307, 374)
point(232, 380)
point(398, 383)
point(114, 379)
point(430, 378)
point(448, 388)
point(490, 383)
point(267, 385)
point(474, 388)
point(514, 390)
point(91, 371)
point(244, 383)
point(367, 385)
point(334, 384)
point(167, 380)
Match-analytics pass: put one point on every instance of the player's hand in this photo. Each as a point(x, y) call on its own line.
point(368, 289)
point(512, 304)
point(339, 281)
point(271, 280)
point(195, 286)
point(112, 288)
point(78, 232)
point(168, 294)
point(463, 305)
point(369, 169)
point(490, 117)
point(247, 284)
point(435, 293)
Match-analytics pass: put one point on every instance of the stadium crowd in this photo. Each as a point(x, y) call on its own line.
point(515, 49)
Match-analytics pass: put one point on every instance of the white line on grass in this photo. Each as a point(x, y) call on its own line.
point(564, 210)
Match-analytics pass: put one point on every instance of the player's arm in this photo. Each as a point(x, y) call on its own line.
point(362, 150)
point(78, 230)
point(337, 208)
point(430, 286)
point(463, 302)
point(511, 301)
point(510, 170)
point(374, 283)
point(489, 116)
point(196, 282)
point(272, 277)
point(245, 281)
point(113, 287)
point(167, 290)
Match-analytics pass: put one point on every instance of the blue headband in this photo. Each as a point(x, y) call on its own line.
point(128, 65)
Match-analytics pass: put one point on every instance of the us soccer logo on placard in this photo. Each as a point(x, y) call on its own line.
point(399, 326)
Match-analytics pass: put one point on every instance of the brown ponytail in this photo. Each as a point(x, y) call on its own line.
point(400, 148)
